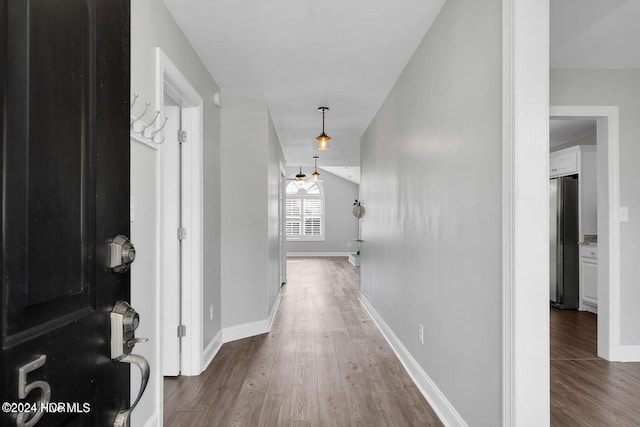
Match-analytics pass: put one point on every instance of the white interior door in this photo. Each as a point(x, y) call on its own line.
point(170, 265)
point(283, 221)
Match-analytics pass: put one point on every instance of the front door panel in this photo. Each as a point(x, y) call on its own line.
point(65, 181)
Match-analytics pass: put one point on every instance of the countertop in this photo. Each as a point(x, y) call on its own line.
point(589, 240)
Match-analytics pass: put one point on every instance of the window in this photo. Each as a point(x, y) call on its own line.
point(305, 211)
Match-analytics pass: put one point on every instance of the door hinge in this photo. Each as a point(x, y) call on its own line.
point(182, 331)
point(182, 136)
point(182, 233)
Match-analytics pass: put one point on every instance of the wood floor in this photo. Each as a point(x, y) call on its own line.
point(324, 363)
point(587, 390)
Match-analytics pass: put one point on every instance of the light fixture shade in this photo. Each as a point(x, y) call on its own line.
point(323, 138)
point(323, 144)
point(300, 176)
point(315, 174)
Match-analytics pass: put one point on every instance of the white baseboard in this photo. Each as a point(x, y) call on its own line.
point(246, 330)
point(251, 329)
point(274, 310)
point(319, 254)
point(153, 421)
point(212, 349)
point(438, 401)
point(629, 353)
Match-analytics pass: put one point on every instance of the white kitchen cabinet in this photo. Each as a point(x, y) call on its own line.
point(580, 160)
point(589, 278)
point(563, 162)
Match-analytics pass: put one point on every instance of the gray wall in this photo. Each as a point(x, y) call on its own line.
point(341, 227)
point(583, 140)
point(152, 26)
point(249, 180)
point(615, 88)
point(431, 186)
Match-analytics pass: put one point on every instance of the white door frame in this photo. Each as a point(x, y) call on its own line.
point(525, 218)
point(169, 79)
point(608, 184)
point(525, 177)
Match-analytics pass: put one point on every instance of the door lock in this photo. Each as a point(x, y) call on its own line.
point(121, 253)
point(124, 322)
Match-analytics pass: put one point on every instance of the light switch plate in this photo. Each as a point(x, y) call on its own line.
point(624, 214)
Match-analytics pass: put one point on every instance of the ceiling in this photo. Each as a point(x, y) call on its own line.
point(350, 173)
point(298, 55)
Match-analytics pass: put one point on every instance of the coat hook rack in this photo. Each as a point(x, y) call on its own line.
point(145, 131)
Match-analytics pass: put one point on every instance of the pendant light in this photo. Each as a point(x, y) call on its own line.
point(315, 174)
point(300, 176)
point(323, 138)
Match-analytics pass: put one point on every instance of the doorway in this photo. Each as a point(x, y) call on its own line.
point(180, 229)
point(172, 253)
point(608, 226)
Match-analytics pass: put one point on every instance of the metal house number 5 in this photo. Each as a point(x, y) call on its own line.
point(24, 389)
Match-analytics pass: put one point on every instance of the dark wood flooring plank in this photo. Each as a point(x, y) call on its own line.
point(587, 390)
point(328, 370)
point(333, 409)
point(324, 363)
point(275, 410)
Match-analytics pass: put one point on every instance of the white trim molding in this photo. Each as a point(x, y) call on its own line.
point(608, 165)
point(274, 310)
point(169, 79)
point(211, 350)
point(156, 374)
point(318, 254)
point(629, 353)
point(251, 329)
point(525, 261)
point(438, 401)
point(246, 330)
point(153, 421)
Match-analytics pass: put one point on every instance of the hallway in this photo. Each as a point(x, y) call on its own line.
point(324, 363)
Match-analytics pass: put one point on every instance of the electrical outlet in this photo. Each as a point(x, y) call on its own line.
point(624, 214)
point(211, 312)
point(421, 333)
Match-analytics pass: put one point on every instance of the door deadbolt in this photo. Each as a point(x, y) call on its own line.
point(121, 253)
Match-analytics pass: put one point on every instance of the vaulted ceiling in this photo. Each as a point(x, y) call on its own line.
point(298, 55)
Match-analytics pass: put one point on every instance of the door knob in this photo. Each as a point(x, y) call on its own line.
point(121, 253)
point(124, 322)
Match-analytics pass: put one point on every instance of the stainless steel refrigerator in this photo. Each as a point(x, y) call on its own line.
point(563, 242)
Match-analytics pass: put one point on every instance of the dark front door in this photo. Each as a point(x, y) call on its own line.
point(64, 69)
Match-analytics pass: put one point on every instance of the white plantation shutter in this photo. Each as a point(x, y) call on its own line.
point(312, 227)
point(313, 207)
point(294, 207)
point(294, 217)
point(313, 217)
point(293, 227)
point(305, 211)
